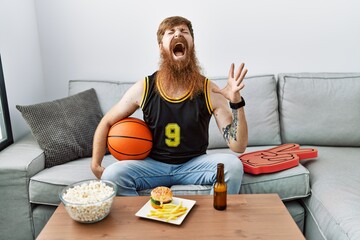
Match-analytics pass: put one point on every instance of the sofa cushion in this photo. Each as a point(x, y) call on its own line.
point(64, 128)
point(290, 184)
point(261, 112)
point(335, 192)
point(320, 108)
point(46, 185)
point(297, 212)
point(108, 92)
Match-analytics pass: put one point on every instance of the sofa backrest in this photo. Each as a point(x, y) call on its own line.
point(108, 92)
point(259, 94)
point(261, 111)
point(320, 108)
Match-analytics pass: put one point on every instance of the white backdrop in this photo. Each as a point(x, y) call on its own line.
point(116, 40)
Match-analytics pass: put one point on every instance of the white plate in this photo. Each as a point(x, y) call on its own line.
point(145, 210)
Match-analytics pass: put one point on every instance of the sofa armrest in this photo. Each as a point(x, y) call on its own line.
point(23, 155)
point(18, 163)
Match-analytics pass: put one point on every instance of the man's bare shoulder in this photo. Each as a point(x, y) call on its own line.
point(138, 86)
point(134, 93)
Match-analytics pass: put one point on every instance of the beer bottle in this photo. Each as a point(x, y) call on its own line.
point(220, 189)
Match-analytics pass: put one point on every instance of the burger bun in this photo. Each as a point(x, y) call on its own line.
point(159, 196)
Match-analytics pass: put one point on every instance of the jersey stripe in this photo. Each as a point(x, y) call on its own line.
point(145, 92)
point(207, 95)
point(173, 100)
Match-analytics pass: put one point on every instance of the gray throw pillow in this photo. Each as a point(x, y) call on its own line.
point(64, 128)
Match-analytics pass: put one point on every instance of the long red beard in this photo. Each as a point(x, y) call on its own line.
point(184, 74)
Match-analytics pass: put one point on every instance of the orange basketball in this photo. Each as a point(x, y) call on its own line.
point(129, 139)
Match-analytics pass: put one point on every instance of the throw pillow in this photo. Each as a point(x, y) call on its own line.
point(64, 128)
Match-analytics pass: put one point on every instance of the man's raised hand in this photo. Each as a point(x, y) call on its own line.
point(234, 84)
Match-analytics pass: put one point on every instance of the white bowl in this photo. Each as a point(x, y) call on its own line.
point(88, 201)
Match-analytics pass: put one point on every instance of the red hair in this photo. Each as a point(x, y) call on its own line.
point(171, 22)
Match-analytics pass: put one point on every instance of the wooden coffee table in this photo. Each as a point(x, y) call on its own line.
point(248, 216)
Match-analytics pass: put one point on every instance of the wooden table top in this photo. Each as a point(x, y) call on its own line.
point(248, 216)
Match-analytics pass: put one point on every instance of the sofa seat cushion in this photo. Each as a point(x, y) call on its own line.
point(290, 184)
point(335, 192)
point(47, 184)
point(44, 187)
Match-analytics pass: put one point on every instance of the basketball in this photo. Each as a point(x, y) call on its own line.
point(129, 139)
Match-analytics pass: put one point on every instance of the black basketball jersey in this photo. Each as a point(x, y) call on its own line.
point(179, 126)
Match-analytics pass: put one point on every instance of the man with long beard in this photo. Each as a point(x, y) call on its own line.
point(177, 103)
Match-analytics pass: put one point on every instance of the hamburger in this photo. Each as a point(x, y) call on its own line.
point(160, 195)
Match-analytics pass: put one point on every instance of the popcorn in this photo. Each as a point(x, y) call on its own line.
point(88, 202)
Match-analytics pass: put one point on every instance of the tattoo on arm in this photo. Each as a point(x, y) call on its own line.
point(230, 131)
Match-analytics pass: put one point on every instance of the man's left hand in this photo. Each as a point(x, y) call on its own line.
point(234, 84)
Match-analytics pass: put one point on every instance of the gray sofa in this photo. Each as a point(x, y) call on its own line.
point(318, 110)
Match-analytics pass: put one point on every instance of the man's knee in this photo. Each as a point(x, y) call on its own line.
point(233, 165)
point(114, 171)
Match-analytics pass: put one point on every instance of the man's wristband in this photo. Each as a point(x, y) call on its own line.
point(237, 105)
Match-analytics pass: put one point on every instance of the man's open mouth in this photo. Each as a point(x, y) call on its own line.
point(179, 49)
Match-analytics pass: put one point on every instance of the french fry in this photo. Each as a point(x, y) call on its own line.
point(169, 211)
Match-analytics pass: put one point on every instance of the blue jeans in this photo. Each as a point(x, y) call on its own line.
point(133, 175)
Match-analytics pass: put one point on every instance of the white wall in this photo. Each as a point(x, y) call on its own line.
point(116, 40)
point(20, 55)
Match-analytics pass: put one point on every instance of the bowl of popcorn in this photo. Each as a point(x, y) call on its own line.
point(88, 201)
